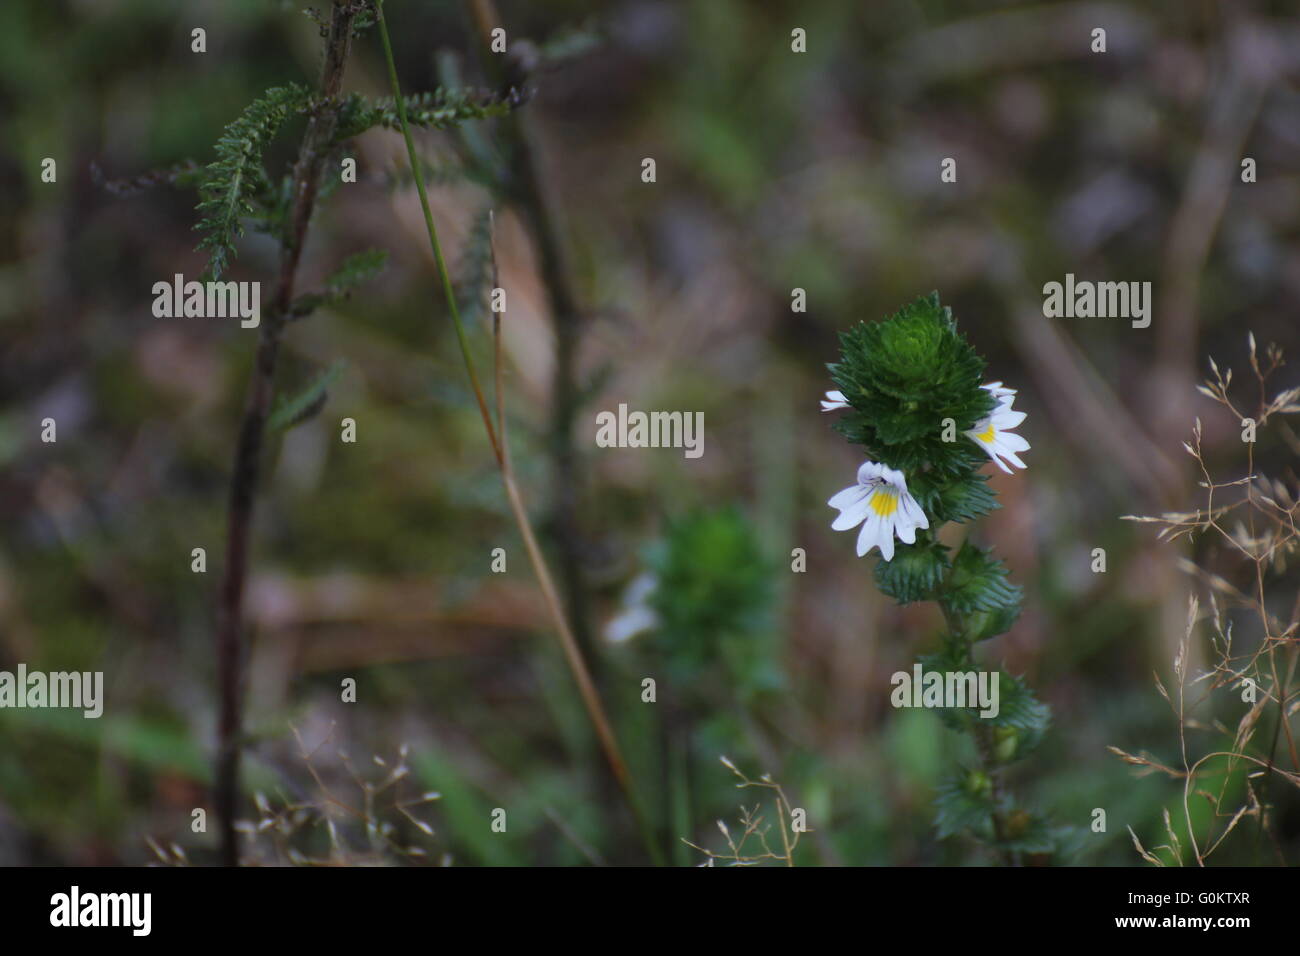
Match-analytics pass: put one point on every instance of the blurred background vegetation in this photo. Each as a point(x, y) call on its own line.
point(775, 170)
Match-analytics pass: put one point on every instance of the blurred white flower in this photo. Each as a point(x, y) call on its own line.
point(993, 433)
point(636, 616)
point(880, 503)
point(834, 400)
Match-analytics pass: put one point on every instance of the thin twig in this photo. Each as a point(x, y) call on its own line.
point(572, 653)
point(244, 475)
point(525, 185)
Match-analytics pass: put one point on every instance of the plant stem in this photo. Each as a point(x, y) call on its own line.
point(443, 273)
point(526, 186)
point(982, 738)
point(248, 452)
point(572, 653)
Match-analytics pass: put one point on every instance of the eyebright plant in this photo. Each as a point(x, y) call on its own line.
point(712, 601)
point(706, 606)
point(910, 391)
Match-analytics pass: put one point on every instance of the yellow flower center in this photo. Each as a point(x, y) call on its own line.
point(884, 503)
point(986, 436)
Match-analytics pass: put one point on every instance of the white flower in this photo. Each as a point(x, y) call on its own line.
point(636, 616)
point(993, 433)
point(834, 400)
point(881, 504)
point(1000, 392)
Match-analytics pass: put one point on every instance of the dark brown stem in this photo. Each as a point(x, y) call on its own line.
point(248, 453)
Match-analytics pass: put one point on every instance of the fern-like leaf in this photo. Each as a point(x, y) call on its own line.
point(440, 109)
point(307, 402)
point(230, 183)
point(355, 271)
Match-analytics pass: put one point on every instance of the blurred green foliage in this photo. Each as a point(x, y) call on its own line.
point(776, 171)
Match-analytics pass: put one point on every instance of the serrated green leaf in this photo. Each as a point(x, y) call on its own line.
point(947, 497)
point(946, 661)
point(978, 582)
point(983, 625)
point(307, 402)
point(965, 498)
point(1032, 833)
point(915, 573)
point(961, 807)
point(1019, 708)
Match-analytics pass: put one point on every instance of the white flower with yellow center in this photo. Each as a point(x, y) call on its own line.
point(881, 504)
point(833, 400)
point(993, 433)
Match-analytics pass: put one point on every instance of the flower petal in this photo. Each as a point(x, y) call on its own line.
point(868, 537)
point(914, 510)
point(1013, 458)
point(851, 516)
point(993, 456)
point(906, 531)
point(845, 498)
point(1004, 418)
point(886, 541)
point(1013, 442)
point(869, 470)
point(833, 400)
point(894, 477)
